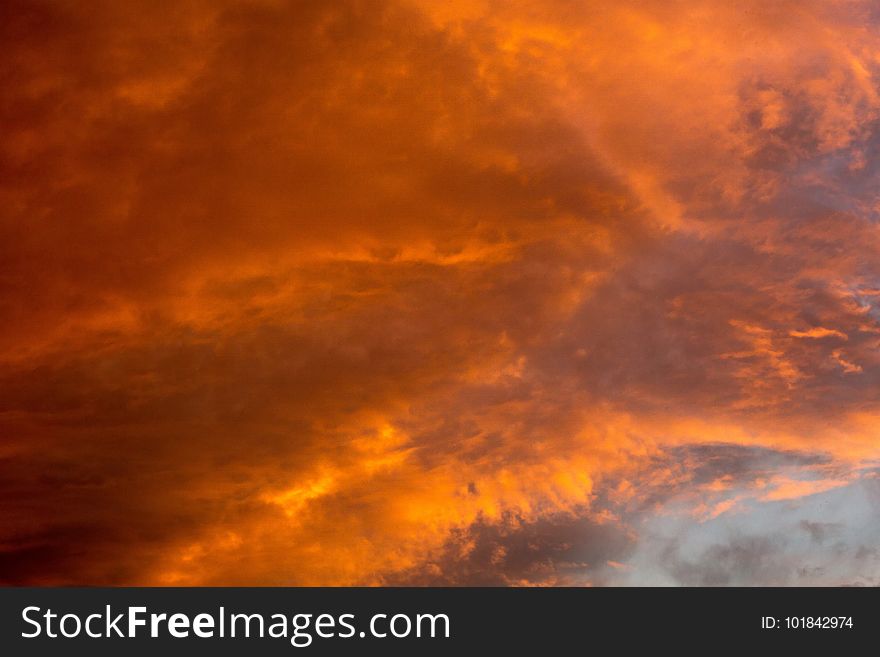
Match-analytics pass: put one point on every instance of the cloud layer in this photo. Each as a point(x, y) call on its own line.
point(475, 292)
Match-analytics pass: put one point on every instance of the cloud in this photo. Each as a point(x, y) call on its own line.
point(823, 539)
point(465, 292)
point(555, 550)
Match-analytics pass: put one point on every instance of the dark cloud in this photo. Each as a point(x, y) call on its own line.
point(818, 531)
point(555, 550)
point(747, 559)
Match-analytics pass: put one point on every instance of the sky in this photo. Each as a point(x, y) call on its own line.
point(480, 292)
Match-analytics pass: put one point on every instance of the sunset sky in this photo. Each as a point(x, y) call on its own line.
point(408, 292)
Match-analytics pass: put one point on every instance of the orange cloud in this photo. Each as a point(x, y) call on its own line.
point(418, 292)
